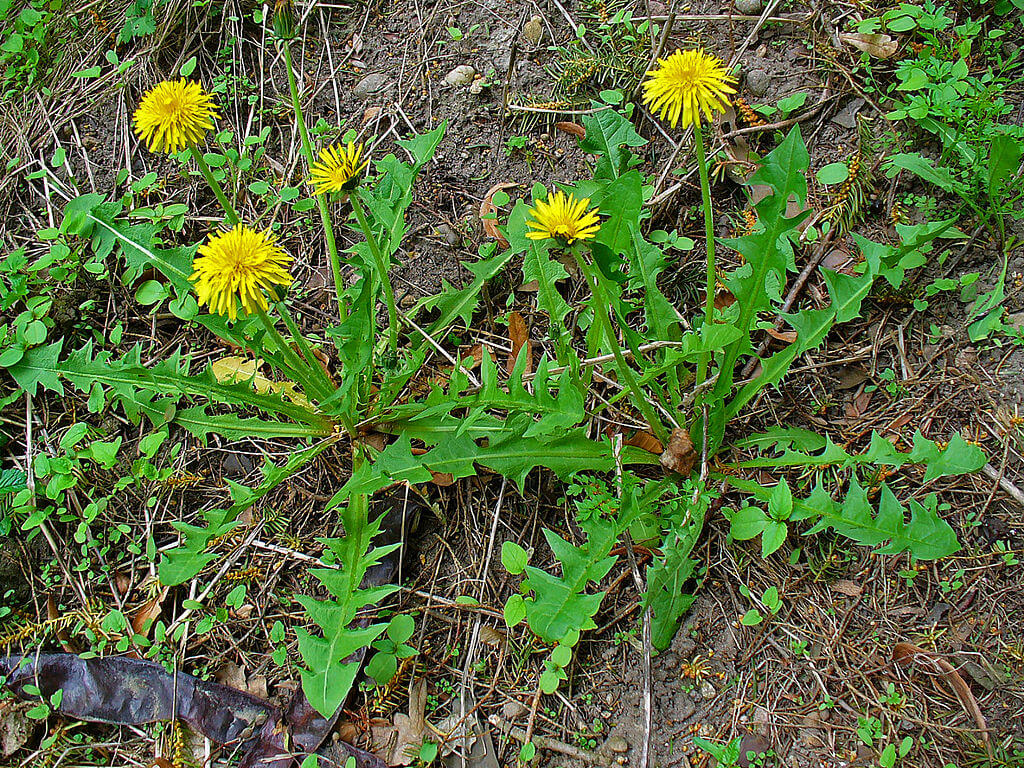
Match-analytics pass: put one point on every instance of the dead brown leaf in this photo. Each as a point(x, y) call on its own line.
point(410, 729)
point(487, 208)
point(645, 441)
point(724, 298)
point(680, 455)
point(877, 45)
point(147, 614)
point(787, 336)
point(441, 479)
point(851, 376)
point(848, 588)
point(908, 656)
point(519, 335)
point(573, 129)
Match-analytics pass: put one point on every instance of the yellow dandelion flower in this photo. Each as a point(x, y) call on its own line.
point(337, 169)
point(687, 84)
point(564, 218)
point(239, 264)
point(174, 115)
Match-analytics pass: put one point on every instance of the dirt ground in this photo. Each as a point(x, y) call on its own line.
point(796, 687)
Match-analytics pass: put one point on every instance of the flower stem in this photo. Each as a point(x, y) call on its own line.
point(601, 306)
point(709, 239)
point(299, 369)
point(229, 210)
point(321, 200)
point(382, 269)
point(304, 347)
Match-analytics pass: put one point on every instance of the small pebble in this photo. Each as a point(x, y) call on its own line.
point(369, 85)
point(617, 744)
point(461, 75)
point(757, 82)
point(748, 7)
point(533, 30)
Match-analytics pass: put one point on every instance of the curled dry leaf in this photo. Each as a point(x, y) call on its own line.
point(680, 455)
point(147, 614)
point(877, 45)
point(487, 207)
point(519, 335)
point(645, 441)
point(909, 656)
point(787, 336)
point(574, 129)
point(724, 298)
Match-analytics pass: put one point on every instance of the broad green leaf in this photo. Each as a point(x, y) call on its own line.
point(514, 557)
point(607, 133)
point(39, 367)
point(957, 458)
point(748, 523)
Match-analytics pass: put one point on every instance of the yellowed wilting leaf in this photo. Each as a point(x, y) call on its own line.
point(680, 455)
point(877, 45)
point(519, 335)
point(573, 129)
point(487, 208)
point(235, 369)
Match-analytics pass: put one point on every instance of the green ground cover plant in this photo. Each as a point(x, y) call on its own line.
point(353, 384)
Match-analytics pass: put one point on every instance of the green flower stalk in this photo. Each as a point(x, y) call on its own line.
point(307, 147)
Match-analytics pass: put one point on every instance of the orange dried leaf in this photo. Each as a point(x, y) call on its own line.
point(573, 129)
point(147, 614)
point(519, 335)
point(487, 208)
point(787, 336)
point(645, 441)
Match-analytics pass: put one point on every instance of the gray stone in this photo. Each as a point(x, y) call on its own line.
point(461, 75)
point(847, 116)
point(371, 85)
point(758, 81)
point(617, 744)
point(748, 7)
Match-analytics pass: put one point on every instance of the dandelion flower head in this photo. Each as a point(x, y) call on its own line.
point(562, 217)
point(687, 84)
point(239, 265)
point(174, 115)
point(339, 166)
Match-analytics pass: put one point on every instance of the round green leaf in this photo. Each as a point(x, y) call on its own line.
point(401, 627)
point(514, 557)
point(35, 333)
point(548, 681)
point(11, 356)
point(151, 292)
point(515, 610)
point(561, 655)
point(833, 173)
